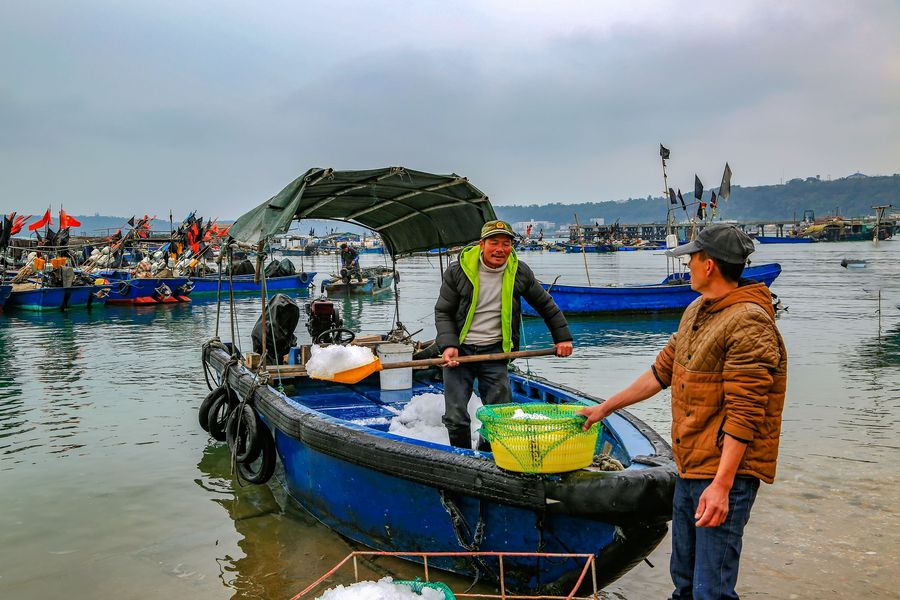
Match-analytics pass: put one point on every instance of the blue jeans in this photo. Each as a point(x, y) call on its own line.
point(459, 382)
point(705, 560)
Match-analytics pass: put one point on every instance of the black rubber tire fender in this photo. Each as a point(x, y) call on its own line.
point(245, 446)
point(218, 418)
point(207, 404)
point(266, 459)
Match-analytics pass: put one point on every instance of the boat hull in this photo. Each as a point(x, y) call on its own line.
point(245, 284)
point(139, 291)
point(4, 294)
point(45, 299)
point(663, 297)
point(369, 286)
point(394, 494)
point(766, 239)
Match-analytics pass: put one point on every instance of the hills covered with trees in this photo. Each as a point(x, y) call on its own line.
point(848, 197)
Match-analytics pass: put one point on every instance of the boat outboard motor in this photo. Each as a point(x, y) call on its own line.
point(282, 317)
point(322, 316)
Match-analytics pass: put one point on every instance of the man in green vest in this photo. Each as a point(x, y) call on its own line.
point(479, 311)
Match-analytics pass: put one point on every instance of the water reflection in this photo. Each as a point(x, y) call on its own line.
point(282, 546)
point(637, 332)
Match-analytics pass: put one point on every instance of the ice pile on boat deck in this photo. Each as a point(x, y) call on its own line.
point(328, 360)
point(383, 589)
point(420, 419)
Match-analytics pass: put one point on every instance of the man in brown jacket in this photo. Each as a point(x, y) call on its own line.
point(727, 367)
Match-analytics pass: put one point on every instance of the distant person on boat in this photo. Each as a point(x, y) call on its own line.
point(727, 368)
point(349, 263)
point(479, 311)
point(349, 257)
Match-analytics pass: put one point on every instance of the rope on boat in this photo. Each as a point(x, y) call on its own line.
point(462, 531)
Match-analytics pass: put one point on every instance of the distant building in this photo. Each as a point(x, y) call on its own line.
point(856, 175)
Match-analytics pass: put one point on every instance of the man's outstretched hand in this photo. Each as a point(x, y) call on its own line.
point(564, 349)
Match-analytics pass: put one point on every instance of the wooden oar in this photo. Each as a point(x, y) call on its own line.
point(357, 374)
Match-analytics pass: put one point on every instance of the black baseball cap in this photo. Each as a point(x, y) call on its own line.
point(720, 240)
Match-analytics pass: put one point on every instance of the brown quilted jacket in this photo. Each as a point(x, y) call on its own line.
point(727, 366)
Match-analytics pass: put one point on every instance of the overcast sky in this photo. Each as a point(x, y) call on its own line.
point(132, 107)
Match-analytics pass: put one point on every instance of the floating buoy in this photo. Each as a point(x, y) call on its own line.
point(853, 263)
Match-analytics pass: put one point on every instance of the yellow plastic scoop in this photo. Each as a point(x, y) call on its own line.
point(357, 374)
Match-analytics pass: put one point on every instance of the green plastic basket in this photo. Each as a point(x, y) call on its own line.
point(417, 586)
point(553, 445)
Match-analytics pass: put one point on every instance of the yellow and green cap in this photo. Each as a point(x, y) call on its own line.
point(496, 227)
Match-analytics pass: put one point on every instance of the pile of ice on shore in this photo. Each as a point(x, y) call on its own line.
point(383, 589)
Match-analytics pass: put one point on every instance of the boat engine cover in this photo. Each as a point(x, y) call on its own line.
point(282, 317)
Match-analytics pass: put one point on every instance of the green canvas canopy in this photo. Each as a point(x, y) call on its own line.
point(412, 211)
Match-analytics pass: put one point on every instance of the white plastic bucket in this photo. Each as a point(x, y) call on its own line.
point(395, 379)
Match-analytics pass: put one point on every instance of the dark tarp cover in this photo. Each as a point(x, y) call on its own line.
point(283, 316)
point(412, 211)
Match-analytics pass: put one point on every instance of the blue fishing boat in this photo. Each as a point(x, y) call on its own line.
point(589, 248)
point(125, 289)
point(769, 239)
point(341, 462)
point(673, 293)
point(24, 297)
point(396, 493)
point(372, 280)
point(245, 284)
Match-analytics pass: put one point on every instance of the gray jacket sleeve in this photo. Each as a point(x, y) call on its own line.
point(445, 312)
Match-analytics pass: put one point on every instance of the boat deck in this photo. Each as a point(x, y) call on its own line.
point(366, 405)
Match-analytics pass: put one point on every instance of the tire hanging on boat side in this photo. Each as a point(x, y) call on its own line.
point(265, 461)
point(218, 417)
point(242, 433)
point(206, 405)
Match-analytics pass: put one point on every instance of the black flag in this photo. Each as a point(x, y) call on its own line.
point(713, 201)
point(7, 229)
point(131, 222)
point(680, 197)
point(663, 152)
point(672, 198)
point(698, 188)
point(725, 188)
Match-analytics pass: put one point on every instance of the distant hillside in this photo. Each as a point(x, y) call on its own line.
point(850, 197)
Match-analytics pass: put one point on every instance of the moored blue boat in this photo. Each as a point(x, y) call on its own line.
point(372, 280)
point(394, 493)
point(125, 289)
point(53, 298)
point(673, 293)
point(768, 239)
point(244, 284)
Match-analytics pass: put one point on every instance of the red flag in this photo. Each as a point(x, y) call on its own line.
point(67, 221)
point(18, 223)
point(45, 220)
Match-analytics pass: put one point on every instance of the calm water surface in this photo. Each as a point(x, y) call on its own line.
point(109, 488)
